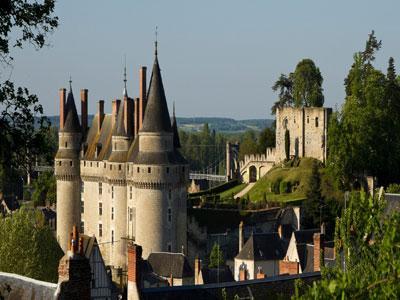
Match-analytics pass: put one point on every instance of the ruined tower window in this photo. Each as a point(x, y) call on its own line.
point(149, 170)
point(112, 192)
point(138, 169)
point(82, 226)
point(100, 230)
point(100, 188)
point(119, 167)
point(167, 170)
point(130, 192)
point(169, 215)
point(100, 208)
point(112, 236)
point(112, 213)
point(316, 122)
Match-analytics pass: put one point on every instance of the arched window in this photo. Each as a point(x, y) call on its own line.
point(169, 215)
point(316, 122)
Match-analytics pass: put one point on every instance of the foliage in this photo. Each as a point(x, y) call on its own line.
point(364, 136)
point(28, 246)
point(287, 144)
point(216, 257)
point(285, 97)
point(307, 85)
point(44, 189)
point(312, 205)
point(393, 188)
point(369, 241)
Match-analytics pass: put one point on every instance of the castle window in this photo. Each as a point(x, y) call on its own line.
point(82, 207)
point(100, 230)
point(100, 188)
point(112, 236)
point(149, 170)
point(110, 167)
point(112, 192)
point(100, 208)
point(119, 167)
point(112, 213)
point(70, 163)
point(97, 164)
point(105, 165)
point(167, 170)
point(138, 169)
point(169, 215)
point(130, 210)
point(59, 163)
point(130, 192)
point(91, 164)
point(316, 122)
point(82, 187)
point(308, 120)
point(84, 163)
point(183, 169)
point(169, 194)
point(82, 227)
point(66, 144)
point(169, 247)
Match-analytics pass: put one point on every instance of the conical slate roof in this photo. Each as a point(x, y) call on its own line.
point(156, 117)
point(119, 129)
point(71, 123)
point(177, 142)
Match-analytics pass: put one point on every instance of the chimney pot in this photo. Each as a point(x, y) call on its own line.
point(84, 110)
point(62, 94)
point(100, 114)
point(142, 94)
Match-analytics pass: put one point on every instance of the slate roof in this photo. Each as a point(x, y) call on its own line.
point(156, 117)
point(305, 236)
point(102, 138)
point(71, 123)
point(214, 275)
point(165, 264)
point(177, 142)
point(264, 246)
point(119, 129)
point(306, 256)
point(159, 158)
point(10, 203)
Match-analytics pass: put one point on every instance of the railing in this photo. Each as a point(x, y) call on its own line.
point(43, 168)
point(210, 177)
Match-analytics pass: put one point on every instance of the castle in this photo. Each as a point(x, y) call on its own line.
point(307, 129)
point(123, 178)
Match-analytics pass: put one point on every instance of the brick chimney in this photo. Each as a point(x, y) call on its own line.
point(318, 251)
point(260, 274)
point(62, 93)
point(84, 110)
point(128, 115)
point(197, 270)
point(134, 259)
point(142, 94)
point(242, 274)
point(74, 272)
point(136, 115)
point(100, 114)
point(115, 108)
point(171, 280)
point(241, 236)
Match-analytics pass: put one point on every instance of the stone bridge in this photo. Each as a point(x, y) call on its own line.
point(255, 166)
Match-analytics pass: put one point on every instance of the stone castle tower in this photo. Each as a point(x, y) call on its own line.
point(127, 179)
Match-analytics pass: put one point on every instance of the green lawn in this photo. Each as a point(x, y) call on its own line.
point(234, 190)
point(297, 176)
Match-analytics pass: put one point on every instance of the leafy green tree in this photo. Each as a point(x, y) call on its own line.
point(284, 85)
point(313, 203)
point(216, 257)
point(44, 189)
point(266, 139)
point(369, 242)
point(28, 246)
point(248, 144)
point(287, 144)
point(307, 85)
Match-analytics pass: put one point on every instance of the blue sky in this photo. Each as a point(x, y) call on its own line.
point(218, 58)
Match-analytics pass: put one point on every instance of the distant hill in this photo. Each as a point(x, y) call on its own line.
point(218, 124)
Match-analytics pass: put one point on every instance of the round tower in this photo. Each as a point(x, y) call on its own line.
point(159, 174)
point(67, 169)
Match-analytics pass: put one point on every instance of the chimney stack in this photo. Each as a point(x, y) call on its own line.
point(142, 94)
point(115, 108)
point(241, 236)
point(134, 258)
point(136, 117)
point(260, 274)
point(128, 115)
point(100, 114)
point(84, 110)
point(62, 93)
point(318, 251)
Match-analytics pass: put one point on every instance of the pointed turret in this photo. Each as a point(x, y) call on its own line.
point(156, 117)
point(177, 142)
point(71, 123)
point(119, 129)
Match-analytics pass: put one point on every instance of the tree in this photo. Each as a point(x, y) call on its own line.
point(28, 246)
point(248, 144)
point(287, 144)
point(216, 257)
point(369, 240)
point(284, 85)
point(307, 85)
point(313, 204)
point(20, 141)
point(266, 139)
point(44, 189)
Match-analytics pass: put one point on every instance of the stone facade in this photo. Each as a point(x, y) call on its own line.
point(127, 180)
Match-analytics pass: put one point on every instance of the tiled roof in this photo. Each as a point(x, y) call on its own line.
point(264, 246)
point(166, 264)
point(71, 123)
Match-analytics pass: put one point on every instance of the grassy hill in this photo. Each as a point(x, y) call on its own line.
point(284, 183)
